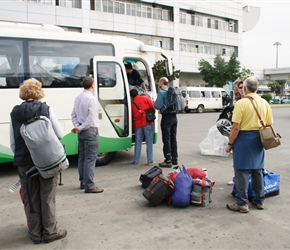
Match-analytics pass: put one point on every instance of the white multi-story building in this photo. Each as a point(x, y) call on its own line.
point(189, 30)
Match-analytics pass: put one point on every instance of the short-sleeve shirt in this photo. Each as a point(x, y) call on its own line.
point(245, 114)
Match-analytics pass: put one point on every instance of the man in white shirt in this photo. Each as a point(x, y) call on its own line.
point(86, 122)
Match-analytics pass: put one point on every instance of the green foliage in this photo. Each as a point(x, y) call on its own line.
point(267, 97)
point(159, 70)
point(274, 87)
point(245, 73)
point(221, 72)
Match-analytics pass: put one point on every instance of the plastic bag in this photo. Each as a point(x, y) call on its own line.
point(214, 143)
point(182, 189)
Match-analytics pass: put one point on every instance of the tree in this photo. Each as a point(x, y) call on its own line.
point(159, 70)
point(245, 73)
point(274, 87)
point(221, 72)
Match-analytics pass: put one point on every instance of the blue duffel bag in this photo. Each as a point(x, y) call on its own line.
point(271, 185)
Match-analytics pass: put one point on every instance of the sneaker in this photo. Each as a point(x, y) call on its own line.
point(135, 163)
point(237, 208)
point(151, 163)
point(61, 234)
point(174, 162)
point(231, 183)
point(258, 206)
point(165, 164)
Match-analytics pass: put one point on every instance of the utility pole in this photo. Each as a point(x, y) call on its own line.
point(277, 44)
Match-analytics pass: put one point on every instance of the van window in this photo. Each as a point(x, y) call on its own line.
point(183, 93)
point(194, 94)
point(205, 94)
point(216, 94)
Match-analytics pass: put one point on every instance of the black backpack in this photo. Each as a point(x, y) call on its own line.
point(175, 103)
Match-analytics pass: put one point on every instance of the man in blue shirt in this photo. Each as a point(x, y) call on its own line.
point(86, 122)
point(168, 126)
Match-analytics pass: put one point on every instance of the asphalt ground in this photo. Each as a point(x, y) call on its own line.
point(121, 218)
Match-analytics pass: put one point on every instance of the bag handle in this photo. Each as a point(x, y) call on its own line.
point(260, 119)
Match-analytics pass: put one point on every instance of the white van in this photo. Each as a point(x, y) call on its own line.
point(201, 98)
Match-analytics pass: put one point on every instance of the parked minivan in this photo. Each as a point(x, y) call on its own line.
point(201, 98)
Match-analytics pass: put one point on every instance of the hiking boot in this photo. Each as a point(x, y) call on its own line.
point(165, 164)
point(258, 206)
point(174, 162)
point(61, 234)
point(237, 208)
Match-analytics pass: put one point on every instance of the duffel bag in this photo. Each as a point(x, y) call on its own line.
point(182, 189)
point(271, 185)
point(159, 189)
point(146, 178)
point(201, 194)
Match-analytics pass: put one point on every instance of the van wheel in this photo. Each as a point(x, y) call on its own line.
point(200, 109)
point(104, 158)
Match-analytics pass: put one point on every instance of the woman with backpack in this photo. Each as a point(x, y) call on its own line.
point(42, 224)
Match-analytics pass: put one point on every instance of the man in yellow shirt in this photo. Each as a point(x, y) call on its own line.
point(249, 151)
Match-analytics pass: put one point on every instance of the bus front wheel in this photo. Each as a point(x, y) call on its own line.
point(104, 158)
point(200, 109)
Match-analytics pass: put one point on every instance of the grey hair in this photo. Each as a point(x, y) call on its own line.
point(164, 80)
point(252, 84)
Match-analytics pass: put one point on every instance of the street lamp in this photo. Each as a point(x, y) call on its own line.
point(277, 44)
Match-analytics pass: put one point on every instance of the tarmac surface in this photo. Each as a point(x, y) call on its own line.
point(121, 218)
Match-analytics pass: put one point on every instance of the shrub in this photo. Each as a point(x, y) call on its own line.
point(267, 97)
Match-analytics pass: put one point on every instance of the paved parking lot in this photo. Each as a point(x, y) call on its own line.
point(121, 218)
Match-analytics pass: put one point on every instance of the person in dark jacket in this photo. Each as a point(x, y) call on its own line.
point(42, 224)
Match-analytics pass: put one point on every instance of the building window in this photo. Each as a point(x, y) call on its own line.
point(192, 19)
point(182, 17)
point(199, 21)
point(149, 12)
point(119, 8)
point(209, 23)
point(216, 24)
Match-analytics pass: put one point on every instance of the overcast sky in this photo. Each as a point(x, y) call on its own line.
point(273, 26)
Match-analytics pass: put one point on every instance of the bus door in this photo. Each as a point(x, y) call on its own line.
point(114, 104)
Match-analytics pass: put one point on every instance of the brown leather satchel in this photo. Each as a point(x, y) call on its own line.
point(269, 138)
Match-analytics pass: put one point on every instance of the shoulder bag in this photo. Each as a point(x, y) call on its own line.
point(269, 138)
point(150, 115)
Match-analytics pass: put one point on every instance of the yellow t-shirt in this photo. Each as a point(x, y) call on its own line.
point(245, 114)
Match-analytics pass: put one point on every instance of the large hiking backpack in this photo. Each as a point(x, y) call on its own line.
point(175, 103)
point(45, 149)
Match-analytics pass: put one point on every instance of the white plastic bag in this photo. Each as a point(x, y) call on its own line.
point(214, 143)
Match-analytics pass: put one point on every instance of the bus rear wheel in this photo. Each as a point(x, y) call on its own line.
point(105, 158)
point(200, 109)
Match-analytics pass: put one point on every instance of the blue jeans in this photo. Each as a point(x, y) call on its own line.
point(88, 153)
point(242, 185)
point(148, 132)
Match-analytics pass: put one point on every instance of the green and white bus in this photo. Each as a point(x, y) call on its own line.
point(60, 59)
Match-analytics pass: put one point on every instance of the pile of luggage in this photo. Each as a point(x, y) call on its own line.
point(181, 187)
